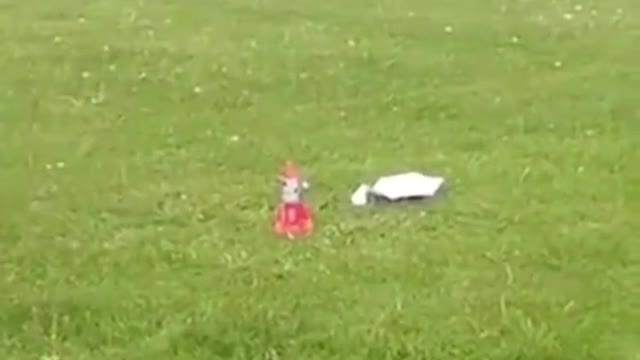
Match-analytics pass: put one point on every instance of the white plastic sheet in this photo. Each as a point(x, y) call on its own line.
point(397, 187)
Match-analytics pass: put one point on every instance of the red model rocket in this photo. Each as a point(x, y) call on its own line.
point(293, 217)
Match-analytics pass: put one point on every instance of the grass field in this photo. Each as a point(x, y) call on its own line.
point(140, 143)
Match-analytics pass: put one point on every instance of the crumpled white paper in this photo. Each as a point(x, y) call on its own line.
point(398, 187)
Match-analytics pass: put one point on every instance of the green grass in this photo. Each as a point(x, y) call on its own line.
point(133, 226)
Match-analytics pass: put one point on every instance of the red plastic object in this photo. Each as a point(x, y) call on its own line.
point(293, 219)
point(293, 216)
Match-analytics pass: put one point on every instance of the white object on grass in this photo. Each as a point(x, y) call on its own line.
point(359, 197)
point(407, 185)
point(400, 186)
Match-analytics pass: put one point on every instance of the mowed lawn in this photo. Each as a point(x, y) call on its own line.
point(140, 144)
